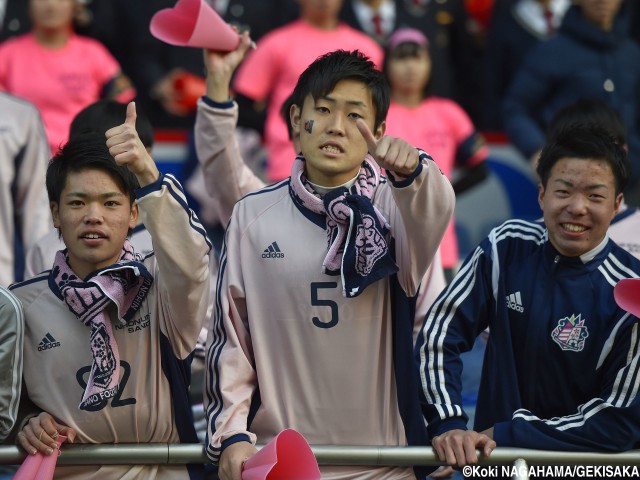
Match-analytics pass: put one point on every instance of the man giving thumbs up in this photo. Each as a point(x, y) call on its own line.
point(317, 285)
point(109, 334)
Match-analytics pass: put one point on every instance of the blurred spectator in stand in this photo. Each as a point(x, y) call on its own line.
point(515, 27)
point(455, 53)
point(592, 56)
point(24, 205)
point(14, 17)
point(269, 73)
point(59, 71)
point(439, 124)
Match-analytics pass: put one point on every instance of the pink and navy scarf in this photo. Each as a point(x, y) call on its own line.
point(356, 230)
point(126, 284)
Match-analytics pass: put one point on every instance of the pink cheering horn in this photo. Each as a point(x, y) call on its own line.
point(194, 23)
point(39, 466)
point(287, 457)
point(627, 295)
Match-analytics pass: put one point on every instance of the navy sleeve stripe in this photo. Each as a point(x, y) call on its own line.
point(176, 190)
point(212, 387)
point(444, 307)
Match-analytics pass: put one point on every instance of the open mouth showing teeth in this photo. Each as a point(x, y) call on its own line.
point(331, 149)
point(91, 236)
point(573, 228)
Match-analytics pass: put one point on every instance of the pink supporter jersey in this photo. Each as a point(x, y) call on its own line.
point(272, 71)
point(439, 126)
point(60, 82)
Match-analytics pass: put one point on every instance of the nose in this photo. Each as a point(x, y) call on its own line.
point(577, 205)
point(336, 125)
point(93, 213)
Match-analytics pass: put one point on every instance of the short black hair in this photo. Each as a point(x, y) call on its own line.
point(321, 77)
point(585, 141)
point(105, 114)
point(590, 111)
point(82, 152)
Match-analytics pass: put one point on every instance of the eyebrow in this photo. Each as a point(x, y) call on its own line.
point(356, 103)
point(591, 186)
point(102, 195)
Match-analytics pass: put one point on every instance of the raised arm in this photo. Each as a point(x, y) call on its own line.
point(227, 177)
point(419, 204)
point(181, 247)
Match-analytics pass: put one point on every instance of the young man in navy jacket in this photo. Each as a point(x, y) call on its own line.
point(562, 359)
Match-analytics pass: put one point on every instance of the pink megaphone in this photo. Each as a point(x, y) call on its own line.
point(627, 295)
point(39, 466)
point(287, 457)
point(194, 23)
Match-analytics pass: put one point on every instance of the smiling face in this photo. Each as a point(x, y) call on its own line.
point(578, 202)
point(334, 148)
point(94, 216)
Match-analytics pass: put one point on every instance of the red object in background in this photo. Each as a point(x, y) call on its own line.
point(189, 88)
point(480, 11)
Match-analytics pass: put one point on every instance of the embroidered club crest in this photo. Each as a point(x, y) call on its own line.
point(570, 333)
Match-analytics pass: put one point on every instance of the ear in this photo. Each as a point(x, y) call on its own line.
point(295, 115)
point(379, 133)
point(540, 195)
point(133, 218)
point(55, 214)
point(616, 205)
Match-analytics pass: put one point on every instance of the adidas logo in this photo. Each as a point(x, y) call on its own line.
point(514, 302)
point(48, 342)
point(272, 251)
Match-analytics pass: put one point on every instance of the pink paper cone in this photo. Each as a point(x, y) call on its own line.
point(287, 456)
point(29, 467)
point(39, 466)
point(627, 295)
point(194, 23)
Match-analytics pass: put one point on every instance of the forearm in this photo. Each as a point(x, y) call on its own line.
point(227, 177)
point(181, 249)
point(425, 205)
point(450, 328)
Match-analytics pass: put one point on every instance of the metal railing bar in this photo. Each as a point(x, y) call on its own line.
point(180, 454)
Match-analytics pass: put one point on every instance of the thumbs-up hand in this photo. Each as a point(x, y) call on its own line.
point(392, 154)
point(127, 149)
